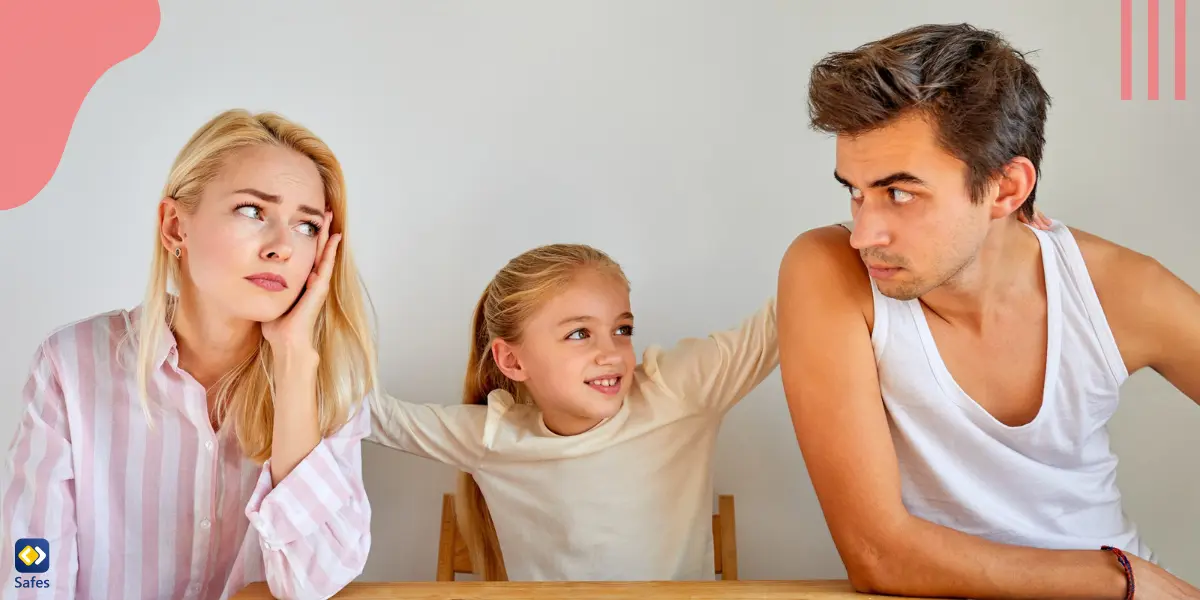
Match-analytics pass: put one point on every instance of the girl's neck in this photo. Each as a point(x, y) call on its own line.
point(564, 423)
point(568, 425)
point(210, 344)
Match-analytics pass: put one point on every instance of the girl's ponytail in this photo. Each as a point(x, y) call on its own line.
point(474, 520)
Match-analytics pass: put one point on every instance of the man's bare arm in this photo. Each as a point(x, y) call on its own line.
point(1154, 315)
point(830, 379)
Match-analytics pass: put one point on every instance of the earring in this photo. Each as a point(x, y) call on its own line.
point(178, 251)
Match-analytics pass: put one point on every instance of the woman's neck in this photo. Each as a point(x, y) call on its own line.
point(210, 344)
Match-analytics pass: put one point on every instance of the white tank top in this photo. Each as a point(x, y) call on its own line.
point(1051, 483)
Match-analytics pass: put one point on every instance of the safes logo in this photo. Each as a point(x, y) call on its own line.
point(32, 555)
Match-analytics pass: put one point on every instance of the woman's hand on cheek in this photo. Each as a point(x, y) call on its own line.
point(296, 428)
point(292, 333)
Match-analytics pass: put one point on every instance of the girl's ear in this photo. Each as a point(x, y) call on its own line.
point(505, 355)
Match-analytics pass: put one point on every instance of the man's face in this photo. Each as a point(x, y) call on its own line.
point(915, 225)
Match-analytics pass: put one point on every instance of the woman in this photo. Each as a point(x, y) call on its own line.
point(210, 437)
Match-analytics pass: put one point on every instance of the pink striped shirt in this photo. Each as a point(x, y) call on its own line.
point(173, 512)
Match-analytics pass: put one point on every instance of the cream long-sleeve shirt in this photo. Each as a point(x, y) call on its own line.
point(630, 499)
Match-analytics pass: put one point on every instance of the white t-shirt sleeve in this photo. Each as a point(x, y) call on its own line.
point(450, 434)
point(717, 371)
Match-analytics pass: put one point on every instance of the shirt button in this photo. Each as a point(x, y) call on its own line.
point(208, 445)
point(204, 524)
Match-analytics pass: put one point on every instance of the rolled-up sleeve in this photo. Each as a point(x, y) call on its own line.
point(315, 526)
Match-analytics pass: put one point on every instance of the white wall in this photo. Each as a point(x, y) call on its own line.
point(672, 134)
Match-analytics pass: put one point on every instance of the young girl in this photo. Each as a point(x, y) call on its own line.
point(210, 437)
point(593, 467)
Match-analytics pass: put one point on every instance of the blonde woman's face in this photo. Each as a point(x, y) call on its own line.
point(252, 241)
point(576, 353)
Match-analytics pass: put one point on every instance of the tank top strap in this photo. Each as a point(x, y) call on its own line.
point(1084, 299)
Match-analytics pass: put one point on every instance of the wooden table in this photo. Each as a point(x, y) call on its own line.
point(671, 590)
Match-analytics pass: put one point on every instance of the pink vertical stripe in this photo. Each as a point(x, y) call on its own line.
point(166, 393)
point(185, 520)
point(86, 477)
point(119, 456)
point(1152, 49)
point(1180, 50)
point(66, 504)
point(152, 486)
point(1126, 49)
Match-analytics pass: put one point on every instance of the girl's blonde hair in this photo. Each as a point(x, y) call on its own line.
point(343, 338)
point(512, 297)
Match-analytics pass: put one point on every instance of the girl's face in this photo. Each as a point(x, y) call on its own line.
point(250, 244)
point(576, 353)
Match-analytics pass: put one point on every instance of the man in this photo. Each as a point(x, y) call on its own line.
point(950, 371)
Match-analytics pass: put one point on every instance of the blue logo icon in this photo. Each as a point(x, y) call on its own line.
point(32, 555)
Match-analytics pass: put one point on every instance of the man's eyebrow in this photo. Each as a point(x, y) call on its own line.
point(897, 177)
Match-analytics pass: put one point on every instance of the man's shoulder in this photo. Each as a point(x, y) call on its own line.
point(1114, 267)
point(826, 249)
point(820, 263)
point(1143, 302)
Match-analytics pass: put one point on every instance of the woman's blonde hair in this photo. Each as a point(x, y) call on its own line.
point(343, 335)
point(512, 297)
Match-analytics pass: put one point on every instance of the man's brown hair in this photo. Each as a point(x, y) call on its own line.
point(982, 98)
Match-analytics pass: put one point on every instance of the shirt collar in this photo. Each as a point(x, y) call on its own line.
point(166, 348)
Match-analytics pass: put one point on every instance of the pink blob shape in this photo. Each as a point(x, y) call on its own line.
point(51, 54)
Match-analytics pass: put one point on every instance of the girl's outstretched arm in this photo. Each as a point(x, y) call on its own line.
point(719, 370)
point(450, 434)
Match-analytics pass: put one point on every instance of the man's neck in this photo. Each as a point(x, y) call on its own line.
point(1007, 269)
point(210, 345)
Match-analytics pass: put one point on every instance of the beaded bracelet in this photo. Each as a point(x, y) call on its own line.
point(1124, 560)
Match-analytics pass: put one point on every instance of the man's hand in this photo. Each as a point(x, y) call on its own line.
point(1152, 582)
point(1039, 220)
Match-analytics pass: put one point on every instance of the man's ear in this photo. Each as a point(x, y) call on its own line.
point(508, 360)
point(170, 224)
point(1014, 185)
